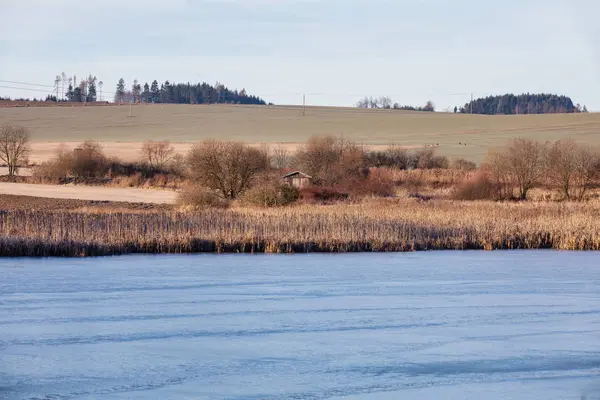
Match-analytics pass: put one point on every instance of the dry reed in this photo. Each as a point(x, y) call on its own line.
point(382, 225)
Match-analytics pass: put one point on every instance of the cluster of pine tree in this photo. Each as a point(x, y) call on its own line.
point(522, 104)
point(182, 93)
point(85, 92)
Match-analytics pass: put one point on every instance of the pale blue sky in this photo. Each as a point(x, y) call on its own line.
point(334, 50)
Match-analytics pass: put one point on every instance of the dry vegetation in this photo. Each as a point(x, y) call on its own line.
point(232, 199)
point(466, 136)
point(375, 225)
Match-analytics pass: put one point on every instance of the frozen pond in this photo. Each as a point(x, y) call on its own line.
point(437, 325)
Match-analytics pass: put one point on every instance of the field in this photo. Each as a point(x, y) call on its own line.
point(454, 135)
point(81, 192)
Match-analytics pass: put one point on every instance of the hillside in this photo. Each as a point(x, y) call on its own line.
point(453, 134)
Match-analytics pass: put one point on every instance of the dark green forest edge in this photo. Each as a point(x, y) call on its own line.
point(510, 104)
point(90, 90)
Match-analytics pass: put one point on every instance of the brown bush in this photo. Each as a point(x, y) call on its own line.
point(85, 162)
point(270, 194)
point(477, 187)
point(392, 157)
point(379, 182)
point(321, 195)
point(427, 159)
point(572, 168)
point(88, 161)
point(463, 165)
point(157, 154)
point(197, 197)
point(330, 160)
point(53, 171)
point(519, 165)
point(228, 167)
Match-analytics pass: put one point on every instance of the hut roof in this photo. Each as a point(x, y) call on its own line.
point(296, 173)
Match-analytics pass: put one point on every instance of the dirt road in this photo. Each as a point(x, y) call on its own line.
point(90, 193)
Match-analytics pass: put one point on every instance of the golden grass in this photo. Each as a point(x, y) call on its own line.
point(381, 225)
point(285, 124)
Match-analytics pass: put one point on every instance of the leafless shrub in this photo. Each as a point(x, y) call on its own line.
point(427, 159)
point(88, 160)
point(270, 194)
point(177, 165)
point(330, 160)
point(281, 157)
point(572, 168)
point(157, 154)
point(463, 165)
point(378, 183)
point(84, 162)
point(477, 187)
point(227, 167)
point(521, 164)
point(393, 157)
point(198, 197)
point(14, 147)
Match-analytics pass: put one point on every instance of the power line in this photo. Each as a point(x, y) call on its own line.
point(27, 84)
point(31, 90)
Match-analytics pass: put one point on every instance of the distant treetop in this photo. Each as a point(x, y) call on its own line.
point(182, 93)
point(386, 103)
point(509, 104)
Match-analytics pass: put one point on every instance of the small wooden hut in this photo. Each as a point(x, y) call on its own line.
point(297, 179)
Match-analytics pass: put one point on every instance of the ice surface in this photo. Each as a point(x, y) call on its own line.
point(436, 325)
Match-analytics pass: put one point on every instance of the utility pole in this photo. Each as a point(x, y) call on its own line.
point(304, 105)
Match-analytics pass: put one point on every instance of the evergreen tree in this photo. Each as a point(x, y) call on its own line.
point(70, 93)
point(146, 93)
point(120, 92)
point(78, 95)
point(154, 92)
point(165, 92)
point(91, 89)
point(521, 104)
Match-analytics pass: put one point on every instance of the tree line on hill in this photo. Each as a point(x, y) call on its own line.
point(182, 93)
point(89, 90)
point(510, 104)
point(386, 103)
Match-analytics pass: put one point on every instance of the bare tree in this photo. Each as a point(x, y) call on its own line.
point(157, 154)
point(136, 90)
point(363, 103)
point(521, 164)
point(63, 77)
point(572, 168)
point(330, 160)
point(385, 102)
point(280, 157)
point(373, 102)
point(100, 86)
point(228, 167)
point(14, 147)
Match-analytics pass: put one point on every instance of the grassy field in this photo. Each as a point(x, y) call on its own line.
point(467, 136)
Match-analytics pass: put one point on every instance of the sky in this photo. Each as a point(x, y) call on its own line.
point(334, 51)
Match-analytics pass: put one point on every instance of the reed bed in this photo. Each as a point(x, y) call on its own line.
point(380, 225)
